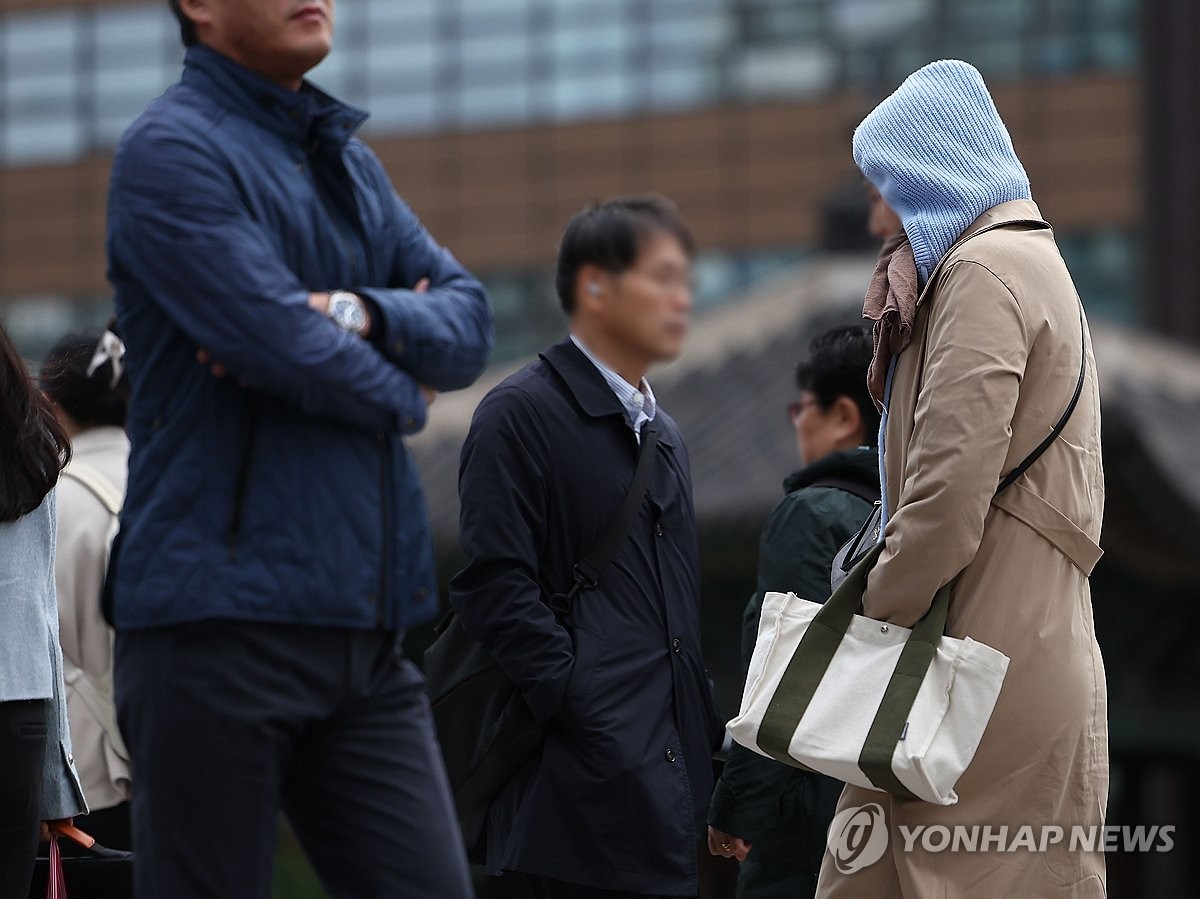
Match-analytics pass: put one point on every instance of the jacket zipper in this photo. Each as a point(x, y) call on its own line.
point(242, 483)
point(335, 220)
point(384, 493)
point(381, 601)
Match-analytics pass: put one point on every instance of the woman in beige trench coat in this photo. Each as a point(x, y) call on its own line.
point(991, 363)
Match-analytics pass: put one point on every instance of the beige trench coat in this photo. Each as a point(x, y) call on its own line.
point(993, 363)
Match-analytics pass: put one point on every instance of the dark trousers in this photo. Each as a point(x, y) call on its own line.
point(514, 885)
point(22, 762)
point(230, 722)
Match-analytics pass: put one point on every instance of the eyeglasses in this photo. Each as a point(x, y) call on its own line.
point(796, 408)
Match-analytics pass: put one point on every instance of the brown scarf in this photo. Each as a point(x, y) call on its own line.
point(891, 303)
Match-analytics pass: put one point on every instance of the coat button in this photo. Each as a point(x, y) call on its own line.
point(658, 529)
point(677, 644)
point(671, 756)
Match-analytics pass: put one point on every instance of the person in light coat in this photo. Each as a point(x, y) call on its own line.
point(38, 782)
point(979, 357)
point(84, 376)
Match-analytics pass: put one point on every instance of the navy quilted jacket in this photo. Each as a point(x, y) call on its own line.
point(282, 492)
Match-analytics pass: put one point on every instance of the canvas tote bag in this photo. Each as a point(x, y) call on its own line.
point(872, 704)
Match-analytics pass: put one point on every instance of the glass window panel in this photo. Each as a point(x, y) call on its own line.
point(51, 37)
point(612, 39)
point(495, 104)
point(21, 89)
point(700, 32)
point(859, 22)
point(995, 58)
point(787, 71)
point(504, 47)
point(46, 141)
point(400, 112)
point(603, 94)
point(406, 12)
point(674, 87)
point(146, 24)
point(484, 17)
point(1115, 49)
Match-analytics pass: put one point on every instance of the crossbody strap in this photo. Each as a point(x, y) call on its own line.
point(587, 570)
point(1057, 430)
point(96, 483)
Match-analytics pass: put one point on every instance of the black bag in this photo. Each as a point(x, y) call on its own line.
point(485, 728)
point(856, 549)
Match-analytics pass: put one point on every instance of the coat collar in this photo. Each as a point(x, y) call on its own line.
point(860, 464)
point(587, 385)
point(308, 117)
point(1014, 212)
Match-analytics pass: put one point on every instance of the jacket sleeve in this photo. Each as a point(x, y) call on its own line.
point(498, 598)
point(179, 228)
point(442, 337)
point(795, 552)
point(62, 795)
point(977, 351)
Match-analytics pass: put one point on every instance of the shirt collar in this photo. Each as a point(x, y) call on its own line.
point(638, 402)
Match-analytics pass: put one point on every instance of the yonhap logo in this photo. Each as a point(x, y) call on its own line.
point(858, 837)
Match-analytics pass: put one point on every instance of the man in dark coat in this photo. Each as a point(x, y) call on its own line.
point(771, 816)
point(614, 803)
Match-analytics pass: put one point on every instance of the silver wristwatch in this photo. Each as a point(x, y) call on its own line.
point(347, 311)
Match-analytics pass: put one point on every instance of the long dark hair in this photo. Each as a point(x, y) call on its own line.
point(33, 445)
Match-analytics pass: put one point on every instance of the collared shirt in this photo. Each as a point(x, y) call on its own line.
point(638, 402)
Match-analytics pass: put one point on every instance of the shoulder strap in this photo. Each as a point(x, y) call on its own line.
point(587, 570)
point(1057, 430)
point(96, 483)
point(862, 491)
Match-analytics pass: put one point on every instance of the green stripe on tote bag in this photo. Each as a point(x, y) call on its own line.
point(811, 661)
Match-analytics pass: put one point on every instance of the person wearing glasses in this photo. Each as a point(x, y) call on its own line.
point(771, 817)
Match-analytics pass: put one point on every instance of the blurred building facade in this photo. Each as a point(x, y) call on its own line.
point(499, 118)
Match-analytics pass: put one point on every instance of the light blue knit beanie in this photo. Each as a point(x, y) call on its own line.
point(940, 156)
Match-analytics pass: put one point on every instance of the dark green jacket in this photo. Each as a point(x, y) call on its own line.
point(785, 812)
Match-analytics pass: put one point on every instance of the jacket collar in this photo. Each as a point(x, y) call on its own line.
point(860, 465)
point(588, 386)
point(1014, 212)
point(308, 117)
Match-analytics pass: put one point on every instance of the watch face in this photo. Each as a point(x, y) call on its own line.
point(347, 312)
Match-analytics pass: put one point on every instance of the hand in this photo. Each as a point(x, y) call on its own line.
point(723, 845)
point(205, 358)
point(320, 302)
point(428, 394)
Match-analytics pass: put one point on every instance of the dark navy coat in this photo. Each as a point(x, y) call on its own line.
point(283, 492)
point(618, 795)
